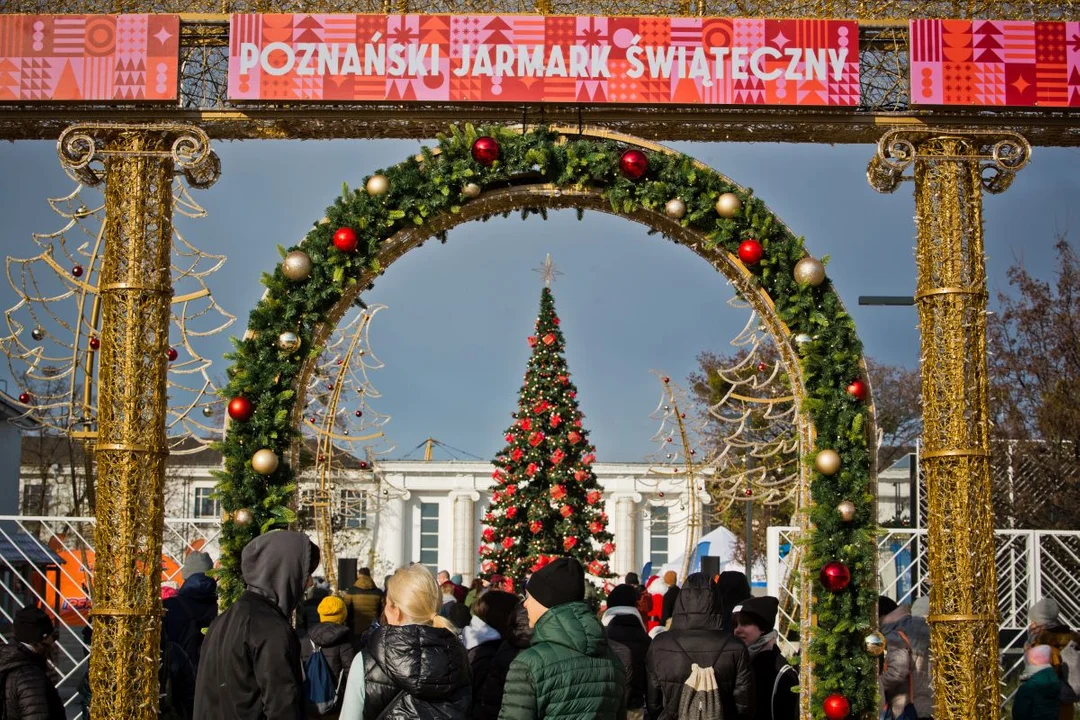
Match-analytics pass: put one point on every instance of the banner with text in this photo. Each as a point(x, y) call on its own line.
point(116, 58)
point(535, 58)
point(995, 63)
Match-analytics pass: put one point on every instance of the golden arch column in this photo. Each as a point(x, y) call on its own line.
point(951, 170)
point(137, 164)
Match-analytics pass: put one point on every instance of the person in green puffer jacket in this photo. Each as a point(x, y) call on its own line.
point(569, 671)
point(1040, 687)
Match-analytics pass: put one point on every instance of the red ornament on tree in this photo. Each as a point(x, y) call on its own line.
point(345, 240)
point(596, 568)
point(593, 497)
point(485, 150)
point(556, 420)
point(588, 459)
point(488, 535)
point(511, 512)
point(531, 469)
point(549, 339)
point(609, 548)
point(487, 566)
point(526, 424)
point(510, 490)
point(241, 409)
point(509, 437)
point(835, 576)
point(507, 542)
point(172, 354)
point(761, 367)
point(532, 340)
point(566, 511)
point(634, 164)
point(516, 454)
point(573, 437)
point(77, 271)
point(24, 398)
point(563, 379)
point(536, 526)
point(596, 527)
point(857, 390)
point(536, 438)
point(569, 543)
point(557, 457)
point(558, 492)
point(95, 343)
point(581, 475)
point(363, 465)
point(750, 252)
point(836, 707)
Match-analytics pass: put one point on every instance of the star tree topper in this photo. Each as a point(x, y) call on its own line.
point(548, 271)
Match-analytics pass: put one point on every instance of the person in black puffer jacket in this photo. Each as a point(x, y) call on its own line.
point(414, 667)
point(695, 637)
point(29, 694)
point(483, 636)
point(626, 629)
point(515, 638)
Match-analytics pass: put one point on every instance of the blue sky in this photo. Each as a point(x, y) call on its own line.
point(453, 336)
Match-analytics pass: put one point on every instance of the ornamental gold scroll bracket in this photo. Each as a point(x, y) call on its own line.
point(83, 149)
point(1000, 154)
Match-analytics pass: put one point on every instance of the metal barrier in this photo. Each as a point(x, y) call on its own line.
point(49, 562)
point(1031, 564)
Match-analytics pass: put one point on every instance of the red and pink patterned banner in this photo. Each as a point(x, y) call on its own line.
point(534, 58)
point(120, 58)
point(995, 63)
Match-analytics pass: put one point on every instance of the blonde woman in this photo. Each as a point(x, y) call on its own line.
point(414, 666)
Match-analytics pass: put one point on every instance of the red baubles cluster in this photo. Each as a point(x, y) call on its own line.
point(835, 576)
point(485, 150)
point(750, 252)
point(836, 707)
point(857, 390)
point(634, 164)
point(345, 240)
point(241, 409)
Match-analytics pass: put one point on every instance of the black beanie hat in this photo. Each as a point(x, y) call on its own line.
point(560, 581)
point(624, 595)
point(32, 625)
point(885, 605)
point(762, 610)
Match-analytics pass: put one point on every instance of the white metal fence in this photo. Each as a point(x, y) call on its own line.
point(1031, 564)
point(49, 562)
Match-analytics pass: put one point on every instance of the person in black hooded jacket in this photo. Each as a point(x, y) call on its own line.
point(731, 588)
point(414, 667)
point(625, 628)
point(483, 636)
point(249, 667)
point(517, 636)
point(28, 693)
point(696, 637)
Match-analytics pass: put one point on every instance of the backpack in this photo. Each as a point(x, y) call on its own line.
point(320, 689)
point(908, 713)
point(1069, 672)
point(700, 698)
point(783, 668)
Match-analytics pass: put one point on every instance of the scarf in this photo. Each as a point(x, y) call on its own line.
point(612, 612)
point(765, 642)
point(478, 632)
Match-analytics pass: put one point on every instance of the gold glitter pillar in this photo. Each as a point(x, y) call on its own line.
point(134, 281)
point(950, 171)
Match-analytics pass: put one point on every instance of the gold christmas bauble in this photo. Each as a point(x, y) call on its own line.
point(874, 644)
point(675, 209)
point(827, 462)
point(264, 461)
point(243, 516)
point(377, 185)
point(470, 190)
point(296, 266)
point(728, 205)
point(288, 341)
point(809, 271)
point(846, 510)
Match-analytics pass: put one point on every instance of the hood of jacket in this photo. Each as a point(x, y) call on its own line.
point(199, 587)
point(630, 614)
point(426, 662)
point(916, 629)
point(327, 634)
point(519, 633)
point(572, 625)
point(364, 582)
point(695, 606)
point(14, 655)
point(478, 632)
point(276, 565)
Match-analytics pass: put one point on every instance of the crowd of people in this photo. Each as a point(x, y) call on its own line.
point(424, 647)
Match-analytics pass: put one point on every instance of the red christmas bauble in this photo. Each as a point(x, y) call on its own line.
point(488, 535)
point(568, 543)
point(857, 390)
point(750, 252)
point(241, 409)
point(835, 576)
point(634, 164)
point(536, 526)
point(363, 465)
point(95, 343)
point(345, 240)
point(762, 367)
point(172, 354)
point(77, 270)
point(485, 150)
point(359, 413)
point(609, 548)
point(836, 707)
point(24, 398)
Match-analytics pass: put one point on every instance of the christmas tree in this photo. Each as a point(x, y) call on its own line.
point(546, 501)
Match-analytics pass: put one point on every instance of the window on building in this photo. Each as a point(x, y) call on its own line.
point(429, 536)
point(205, 505)
point(354, 508)
point(36, 499)
point(658, 537)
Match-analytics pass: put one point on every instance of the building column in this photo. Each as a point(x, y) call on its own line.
point(463, 560)
point(626, 522)
point(390, 533)
point(951, 170)
point(135, 286)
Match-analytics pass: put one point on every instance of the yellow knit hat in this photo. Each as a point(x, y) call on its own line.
point(332, 610)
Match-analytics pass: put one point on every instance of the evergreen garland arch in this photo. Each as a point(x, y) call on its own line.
point(543, 168)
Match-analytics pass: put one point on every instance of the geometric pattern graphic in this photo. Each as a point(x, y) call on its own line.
point(48, 58)
point(533, 58)
point(995, 63)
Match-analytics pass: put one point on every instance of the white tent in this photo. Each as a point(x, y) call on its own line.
point(721, 543)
